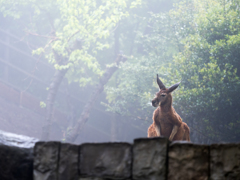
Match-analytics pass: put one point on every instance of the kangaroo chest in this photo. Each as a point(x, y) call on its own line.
point(165, 121)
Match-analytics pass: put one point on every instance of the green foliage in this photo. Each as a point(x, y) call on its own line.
point(78, 31)
point(195, 42)
point(198, 43)
point(136, 78)
point(208, 67)
point(42, 104)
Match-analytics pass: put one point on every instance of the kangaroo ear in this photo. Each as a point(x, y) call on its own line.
point(173, 87)
point(160, 84)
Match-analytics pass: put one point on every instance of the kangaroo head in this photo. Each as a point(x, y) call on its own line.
point(164, 94)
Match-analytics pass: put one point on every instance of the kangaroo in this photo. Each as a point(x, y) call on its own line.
point(166, 121)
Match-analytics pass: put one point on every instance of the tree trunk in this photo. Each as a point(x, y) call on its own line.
point(57, 79)
point(73, 134)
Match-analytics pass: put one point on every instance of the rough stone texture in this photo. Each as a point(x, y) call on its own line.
point(149, 158)
point(110, 161)
point(16, 163)
point(68, 163)
point(106, 160)
point(46, 160)
point(92, 178)
point(225, 161)
point(95, 178)
point(188, 161)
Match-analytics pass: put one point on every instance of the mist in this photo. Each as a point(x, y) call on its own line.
point(81, 71)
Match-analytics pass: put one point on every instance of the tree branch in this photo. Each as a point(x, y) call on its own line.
point(57, 79)
point(72, 136)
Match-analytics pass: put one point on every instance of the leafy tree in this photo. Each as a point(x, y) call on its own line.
point(198, 43)
point(70, 34)
point(208, 67)
point(154, 46)
point(195, 41)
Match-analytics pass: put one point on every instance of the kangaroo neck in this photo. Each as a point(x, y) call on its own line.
point(167, 105)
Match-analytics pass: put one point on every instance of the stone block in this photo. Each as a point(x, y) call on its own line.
point(68, 162)
point(225, 161)
point(16, 163)
point(95, 178)
point(46, 160)
point(92, 178)
point(106, 160)
point(188, 161)
point(150, 159)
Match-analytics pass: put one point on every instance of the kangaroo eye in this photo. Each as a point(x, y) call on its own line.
point(163, 95)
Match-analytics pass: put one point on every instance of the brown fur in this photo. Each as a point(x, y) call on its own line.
point(167, 119)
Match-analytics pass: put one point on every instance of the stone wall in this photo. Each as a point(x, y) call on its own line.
point(153, 159)
point(16, 163)
point(145, 159)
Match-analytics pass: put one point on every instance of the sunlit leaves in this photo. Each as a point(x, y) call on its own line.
point(88, 22)
point(134, 4)
point(209, 64)
point(42, 104)
point(198, 43)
